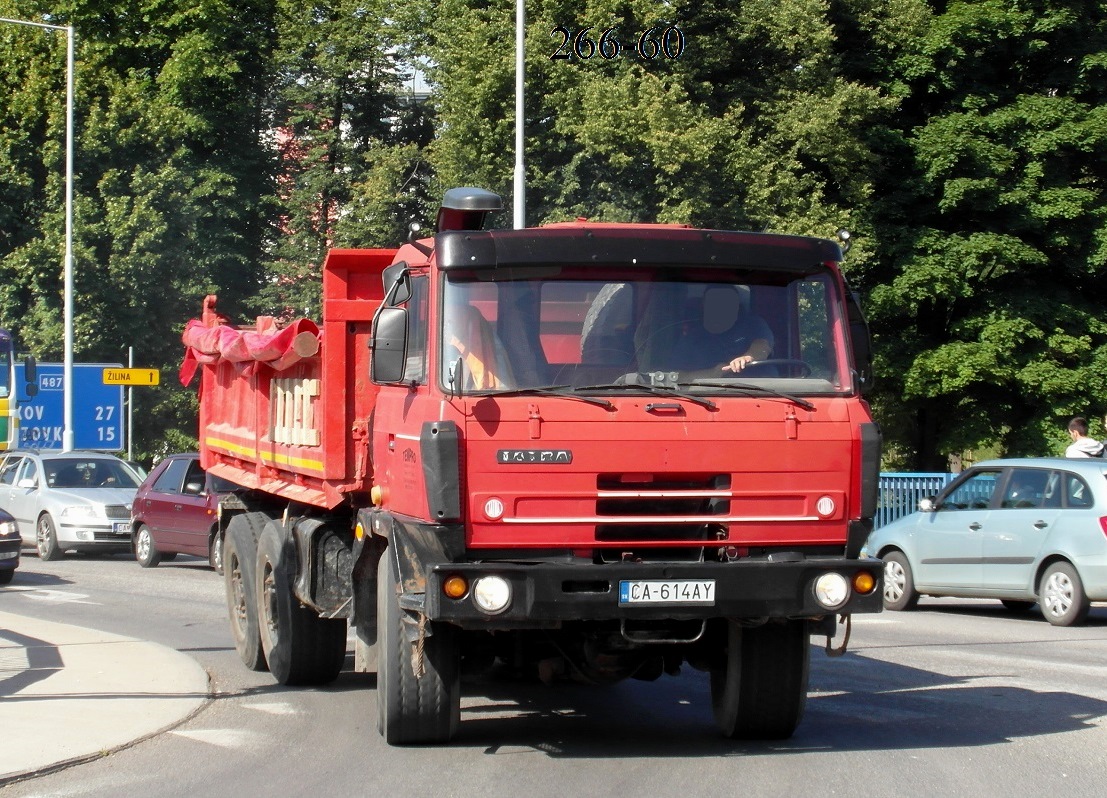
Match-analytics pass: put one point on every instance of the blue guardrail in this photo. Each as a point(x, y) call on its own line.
point(900, 494)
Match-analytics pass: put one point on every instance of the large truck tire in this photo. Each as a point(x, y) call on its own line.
point(759, 689)
point(300, 647)
point(240, 544)
point(414, 707)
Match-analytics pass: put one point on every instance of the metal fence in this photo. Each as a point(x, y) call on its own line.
point(900, 494)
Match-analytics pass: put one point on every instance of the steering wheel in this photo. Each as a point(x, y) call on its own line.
point(787, 367)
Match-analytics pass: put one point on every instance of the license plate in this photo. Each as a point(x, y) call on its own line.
point(120, 528)
point(667, 591)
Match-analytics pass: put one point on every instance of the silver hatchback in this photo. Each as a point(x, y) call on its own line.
point(1025, 531)
point(79, 501)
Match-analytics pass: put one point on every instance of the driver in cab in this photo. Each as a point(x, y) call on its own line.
point(724, 329)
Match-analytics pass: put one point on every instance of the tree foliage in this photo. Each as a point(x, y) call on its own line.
point(224, 147)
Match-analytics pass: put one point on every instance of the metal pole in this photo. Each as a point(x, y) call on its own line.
point(67, 429)
point(67, 302)
point(520, 172)
point(130, 406)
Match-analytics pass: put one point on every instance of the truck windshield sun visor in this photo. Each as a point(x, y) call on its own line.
point(616, 246)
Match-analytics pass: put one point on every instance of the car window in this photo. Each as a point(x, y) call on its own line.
point(1054, 491)
point(220, 485)
point(172, 478)
point(9, 470)
point(194, 479)
point(28, 471)
point(1026, 488)
point(93, 472)
point(975, 493)
point(1077, 492)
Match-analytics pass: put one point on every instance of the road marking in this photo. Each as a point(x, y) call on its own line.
point(280, 708)
point(56, 596)
point(223, 738)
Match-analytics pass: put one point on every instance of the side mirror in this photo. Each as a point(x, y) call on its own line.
point(861, 343)
point(397, 285)
point(194, 488)
point(928, 505)
point(26, 483)
point(389, 345)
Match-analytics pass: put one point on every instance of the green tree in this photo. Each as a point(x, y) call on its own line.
point(170, 181)
point(989, 324)
point(349, 142)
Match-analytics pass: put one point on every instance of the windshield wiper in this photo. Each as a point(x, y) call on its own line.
point(656, 390)
point(750, 388)
point(555, 390)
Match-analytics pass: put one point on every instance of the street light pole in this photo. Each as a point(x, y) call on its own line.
point(67, 388)
point(520, 181)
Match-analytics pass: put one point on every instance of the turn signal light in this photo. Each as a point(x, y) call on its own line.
point(864, 583)
point(455, 587)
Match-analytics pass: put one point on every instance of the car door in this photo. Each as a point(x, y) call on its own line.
point(192, 519)
point(949, 540)
point(14, 499)
point(159, 504)
point(1029, 506)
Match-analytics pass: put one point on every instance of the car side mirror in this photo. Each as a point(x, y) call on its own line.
point(194, 488)
point(928, 505)
point(26, 483)
point(389, 345)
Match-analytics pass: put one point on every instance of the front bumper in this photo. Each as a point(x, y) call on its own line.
point(96, 535)
point(552, 592)
point(9, 551)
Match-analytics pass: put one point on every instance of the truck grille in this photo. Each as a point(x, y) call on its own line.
point(658, 497)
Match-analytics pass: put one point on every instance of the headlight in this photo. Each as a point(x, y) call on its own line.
point(831, 590)
point(8, 529)
point(80, 511)
point(492, 594)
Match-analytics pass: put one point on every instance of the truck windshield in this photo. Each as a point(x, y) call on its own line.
point(566, 328)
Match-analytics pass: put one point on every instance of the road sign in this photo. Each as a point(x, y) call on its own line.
point(113, 376)
point(97, 408)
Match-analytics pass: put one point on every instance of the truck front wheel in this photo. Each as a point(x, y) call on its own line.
point(759, 688)
point(240, 546)
point(301, 647)
point(418, 691)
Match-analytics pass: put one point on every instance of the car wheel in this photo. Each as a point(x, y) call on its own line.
point(146, 552)
point(46, 539)
point(215, 552)
point(1062, 596)
point(899, 584)
point(240, 551)
point(759, 686)
point(300, 646)
point(415, 704)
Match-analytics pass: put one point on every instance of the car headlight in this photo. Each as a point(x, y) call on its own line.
point(80, 511)
point(9, 529)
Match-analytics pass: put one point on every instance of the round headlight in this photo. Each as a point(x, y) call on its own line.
point(493, 509)
point(831, 590)
point(492, 594)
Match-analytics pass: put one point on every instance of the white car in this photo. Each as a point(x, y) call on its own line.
point(72, 501)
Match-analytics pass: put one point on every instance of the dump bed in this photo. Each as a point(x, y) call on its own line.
point(285, 410)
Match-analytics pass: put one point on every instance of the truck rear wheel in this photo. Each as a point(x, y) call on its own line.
point(239, 557)
point(759, 691)
point(421, 706)
point(300, 647)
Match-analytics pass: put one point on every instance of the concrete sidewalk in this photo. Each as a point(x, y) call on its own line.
point(68, 694)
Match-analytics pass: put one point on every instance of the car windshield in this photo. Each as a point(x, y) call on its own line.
point(577, 328)
point(93, 472)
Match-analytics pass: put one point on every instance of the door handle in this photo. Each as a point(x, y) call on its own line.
point(1041, 524)
point(974, 526)
point(177, 507)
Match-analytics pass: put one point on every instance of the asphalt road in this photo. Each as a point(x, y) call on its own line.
point(957, 698)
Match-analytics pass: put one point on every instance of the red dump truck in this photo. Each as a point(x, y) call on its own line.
point(545, 450)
